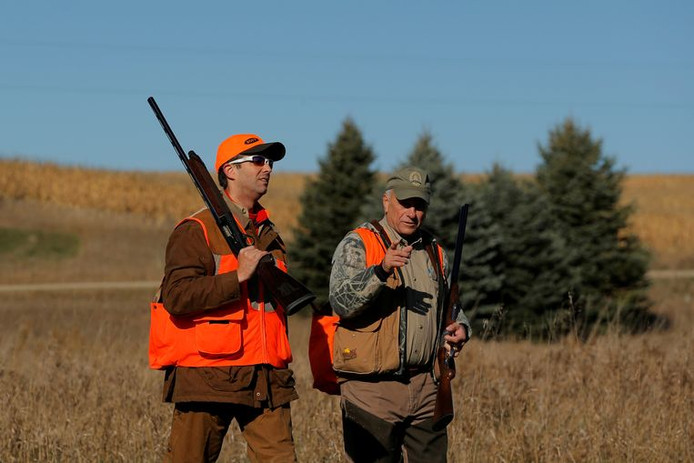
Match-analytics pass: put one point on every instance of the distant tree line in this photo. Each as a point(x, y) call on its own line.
point(543, 257)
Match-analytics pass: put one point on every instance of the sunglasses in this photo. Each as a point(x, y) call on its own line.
point(258, 161)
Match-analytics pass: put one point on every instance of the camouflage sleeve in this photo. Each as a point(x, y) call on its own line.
point(352, 285)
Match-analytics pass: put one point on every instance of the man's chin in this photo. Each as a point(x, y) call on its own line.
point(407, 230)
point(260, 191)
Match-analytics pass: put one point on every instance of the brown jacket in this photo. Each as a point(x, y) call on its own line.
point(190, 285)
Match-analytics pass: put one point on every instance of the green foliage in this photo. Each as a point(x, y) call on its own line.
point(447, 191)
point(515, 259)
point(607, 265)
point(20, 244)
point(331, 205)
point(481, 273)
point(542, 257)
point(547, 257)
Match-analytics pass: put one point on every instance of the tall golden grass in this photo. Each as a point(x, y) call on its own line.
point(663, 218)
point(75, 387)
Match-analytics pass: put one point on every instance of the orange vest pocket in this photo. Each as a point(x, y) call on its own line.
point(218, 337)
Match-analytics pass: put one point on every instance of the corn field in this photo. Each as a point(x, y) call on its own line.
point(663, 217)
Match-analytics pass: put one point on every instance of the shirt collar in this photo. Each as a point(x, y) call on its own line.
point(259, 212)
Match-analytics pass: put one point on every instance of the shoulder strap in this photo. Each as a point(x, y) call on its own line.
point(381, 232)
point(433, 252)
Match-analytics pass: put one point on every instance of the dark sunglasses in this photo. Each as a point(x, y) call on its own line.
point(257, 160)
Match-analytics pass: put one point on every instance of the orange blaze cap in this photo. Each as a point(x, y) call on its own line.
point(247, 144)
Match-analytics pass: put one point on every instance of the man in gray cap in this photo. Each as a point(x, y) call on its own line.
point(387, 285)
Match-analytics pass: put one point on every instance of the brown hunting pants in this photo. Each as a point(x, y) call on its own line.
point(391, 421)
point(198, 430)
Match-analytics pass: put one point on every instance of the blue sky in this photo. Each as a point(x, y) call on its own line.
point(487, 79)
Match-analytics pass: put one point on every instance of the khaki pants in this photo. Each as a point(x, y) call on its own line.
point(391, 421)
point(198, 430)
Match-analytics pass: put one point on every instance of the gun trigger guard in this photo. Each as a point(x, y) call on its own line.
point(250, 238)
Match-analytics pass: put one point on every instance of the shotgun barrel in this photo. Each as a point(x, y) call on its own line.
point(286, 291)
point(443, 410)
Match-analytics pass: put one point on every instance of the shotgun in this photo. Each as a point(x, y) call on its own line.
point(443, 410)
point(286, 291)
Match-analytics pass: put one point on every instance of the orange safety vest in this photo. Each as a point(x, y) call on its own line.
point(324, 325)
point(236, 334)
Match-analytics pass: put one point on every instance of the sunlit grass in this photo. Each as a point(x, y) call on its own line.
point(76, 387)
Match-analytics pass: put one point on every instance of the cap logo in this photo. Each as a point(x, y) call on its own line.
point(250, 141)
point(416, 179)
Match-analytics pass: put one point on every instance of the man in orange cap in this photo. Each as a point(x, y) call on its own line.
point(230, 350)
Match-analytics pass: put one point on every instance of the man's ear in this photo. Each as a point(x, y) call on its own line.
point(385, 200)
point(229, 171)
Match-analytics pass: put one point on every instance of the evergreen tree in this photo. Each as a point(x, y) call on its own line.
point(372, 208)
point(482, 269)
point(446, 190)
point(330, 207)
point(525, 271)
point(583, 188)
point(446, 196)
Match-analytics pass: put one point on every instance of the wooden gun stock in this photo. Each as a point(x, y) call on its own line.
point(288, 292)
point(443, 410)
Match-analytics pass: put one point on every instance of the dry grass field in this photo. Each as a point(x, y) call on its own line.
point(73, 364)
point(75, 384)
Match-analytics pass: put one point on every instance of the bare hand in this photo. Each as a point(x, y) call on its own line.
point(455, 337)
point(396, 257)
point(248, 261)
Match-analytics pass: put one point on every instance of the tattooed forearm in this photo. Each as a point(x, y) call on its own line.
point(352, 285)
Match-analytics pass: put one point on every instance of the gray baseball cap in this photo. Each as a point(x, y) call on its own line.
point(410, 182)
